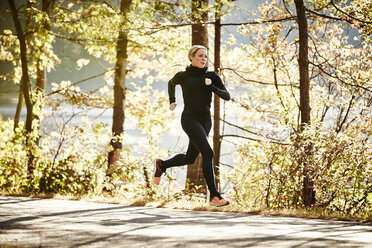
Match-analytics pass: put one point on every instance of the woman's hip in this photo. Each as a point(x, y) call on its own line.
point(192, 123)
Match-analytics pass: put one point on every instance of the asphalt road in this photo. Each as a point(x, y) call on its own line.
point(32, 222)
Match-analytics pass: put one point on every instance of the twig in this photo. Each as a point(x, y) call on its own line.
point(253, 139)
point(251, 80)
point(254, 22)
point(78, 82)
point(342, 81)
point(350, 16)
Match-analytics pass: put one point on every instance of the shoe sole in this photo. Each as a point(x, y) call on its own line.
point(218, 205)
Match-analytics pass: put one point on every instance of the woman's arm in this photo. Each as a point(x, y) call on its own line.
point(218, 87)
point(172, 87)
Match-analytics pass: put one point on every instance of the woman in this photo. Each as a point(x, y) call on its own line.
point(197, 87)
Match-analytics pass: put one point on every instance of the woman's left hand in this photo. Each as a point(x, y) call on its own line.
point(208, 81)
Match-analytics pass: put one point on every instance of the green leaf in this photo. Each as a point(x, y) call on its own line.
point(7, 32)
point(369, 197)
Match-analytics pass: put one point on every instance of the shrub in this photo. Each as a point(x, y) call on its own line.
point(339, 164)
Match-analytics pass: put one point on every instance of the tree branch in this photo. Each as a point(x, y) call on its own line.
point(326, 16)
point(239, 127)
point(339, 128)
point(253, 139)
point(248, 131)
point(339, 79)
point(251, 80)
point(78, 82)
point(326, 61)
point(227, 165)
point(350, 16)
point(276, 83)
point(254, 22)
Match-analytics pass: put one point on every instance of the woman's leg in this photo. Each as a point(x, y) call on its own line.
point(181, 159)
point(198, 130)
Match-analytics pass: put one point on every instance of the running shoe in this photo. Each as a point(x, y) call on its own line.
point(157, 171)
point(218, 201)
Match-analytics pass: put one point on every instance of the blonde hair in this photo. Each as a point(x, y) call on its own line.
point(194, 49)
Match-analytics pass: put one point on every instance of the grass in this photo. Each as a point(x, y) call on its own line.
point(193, 202)
point(198, 203)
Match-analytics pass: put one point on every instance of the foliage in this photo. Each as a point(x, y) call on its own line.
point(39, 45)
point(72, 156)
point(335, 150)
point(270, 174)
point(12, 158)
point(150, 109)
point(269, 168)
point(56, 170)
point(96, 27)
point(358, 13)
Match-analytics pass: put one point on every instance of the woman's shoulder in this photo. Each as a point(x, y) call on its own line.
point(177, 78)
point(179, 74)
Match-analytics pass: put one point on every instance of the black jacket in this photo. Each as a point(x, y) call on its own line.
point(197, 96)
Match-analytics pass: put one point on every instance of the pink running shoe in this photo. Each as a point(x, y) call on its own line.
point(217, 201)
point(157, 171)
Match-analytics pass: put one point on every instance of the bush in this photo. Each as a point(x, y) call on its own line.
point(72, 159)
point(271, 175)
point(66, 162)
point(13, 158)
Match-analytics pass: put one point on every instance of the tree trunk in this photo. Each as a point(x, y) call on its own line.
point(199, 36)
point(216, 122)
point(199, 32)
point(17, 115)
point(25, 81)
point(25, 86)
point(47, 7)
point(119, 90)
point(303, 61)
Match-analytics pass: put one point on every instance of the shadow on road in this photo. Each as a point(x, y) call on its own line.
point(46, 222)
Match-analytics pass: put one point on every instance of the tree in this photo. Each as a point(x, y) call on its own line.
point(119, 87)
point(36, 22)
point(17, 115)
point(308, 183)
point(328, 70)
point(217, 139)
point(199, 31)
point(86, 24)
point(25, 76)
point(199, 36)
point(40, 84)
point(47, 6)
point(303, 61)
point(25, 86)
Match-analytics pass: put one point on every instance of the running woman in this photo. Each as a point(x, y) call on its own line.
point(197, 86)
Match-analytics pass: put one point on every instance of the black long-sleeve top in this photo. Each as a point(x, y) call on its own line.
point(197, 96)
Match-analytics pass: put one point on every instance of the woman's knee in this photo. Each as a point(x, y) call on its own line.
point(208, 153)
point(190, 160)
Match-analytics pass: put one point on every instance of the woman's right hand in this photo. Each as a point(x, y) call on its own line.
point(172, 106)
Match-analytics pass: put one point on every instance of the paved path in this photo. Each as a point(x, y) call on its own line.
point(31, 222)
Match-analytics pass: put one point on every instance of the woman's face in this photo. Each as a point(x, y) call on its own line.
point(200, 58)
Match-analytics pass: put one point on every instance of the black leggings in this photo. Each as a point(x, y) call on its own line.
point(197, 129)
